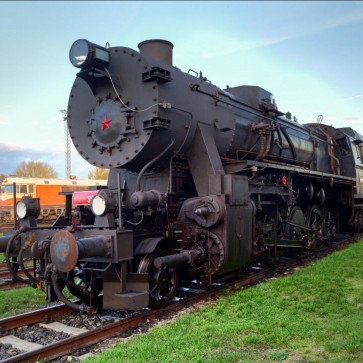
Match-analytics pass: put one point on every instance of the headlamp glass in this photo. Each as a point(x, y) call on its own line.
point(84, 54)
point(98, 205)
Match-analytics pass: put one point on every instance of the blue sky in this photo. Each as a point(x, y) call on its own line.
point(308, 54)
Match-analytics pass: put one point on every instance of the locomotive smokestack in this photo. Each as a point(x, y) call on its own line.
point(158, 49)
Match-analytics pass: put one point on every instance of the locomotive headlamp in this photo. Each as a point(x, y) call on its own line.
point(103, 202)
point(28, 207)
point(84, 54)
point(98, 205)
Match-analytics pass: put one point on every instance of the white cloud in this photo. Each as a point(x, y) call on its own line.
point(353, 97)
point(3, 120)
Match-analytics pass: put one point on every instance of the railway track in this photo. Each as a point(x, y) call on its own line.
point(5, 226)
point(58, 320)
point(6, 279)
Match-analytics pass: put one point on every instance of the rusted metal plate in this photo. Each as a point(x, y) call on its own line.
point(64, 251)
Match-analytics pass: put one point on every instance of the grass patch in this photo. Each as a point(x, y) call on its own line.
point(315, 315)
point(18, 301)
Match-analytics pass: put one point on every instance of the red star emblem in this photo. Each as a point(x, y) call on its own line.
point(106, 123)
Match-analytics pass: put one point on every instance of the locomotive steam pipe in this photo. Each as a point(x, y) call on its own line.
point(65, 250)
point(138, 181)
point(58, 290)
point(171, 260)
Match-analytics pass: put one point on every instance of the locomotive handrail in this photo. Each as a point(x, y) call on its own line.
point(138, 181)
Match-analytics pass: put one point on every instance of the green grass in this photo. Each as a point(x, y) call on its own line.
point(18, 301)
point(315, 315)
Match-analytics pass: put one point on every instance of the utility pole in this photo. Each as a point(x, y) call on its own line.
point(67, 145)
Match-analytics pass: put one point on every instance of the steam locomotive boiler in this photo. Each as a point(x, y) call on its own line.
point(202, 182)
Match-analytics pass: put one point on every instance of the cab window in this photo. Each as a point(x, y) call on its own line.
point(359, 148)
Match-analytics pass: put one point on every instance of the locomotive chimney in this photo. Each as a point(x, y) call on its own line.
point(158, 49)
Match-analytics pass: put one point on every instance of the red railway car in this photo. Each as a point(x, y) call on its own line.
point(47, 190)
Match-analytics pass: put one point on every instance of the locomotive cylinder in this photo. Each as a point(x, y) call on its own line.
point(65, 250)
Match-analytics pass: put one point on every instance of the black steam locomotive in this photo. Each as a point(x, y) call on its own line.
point(202, 182)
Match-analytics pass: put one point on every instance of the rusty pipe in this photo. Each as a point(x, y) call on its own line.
point(62, 298)
point(261, 143)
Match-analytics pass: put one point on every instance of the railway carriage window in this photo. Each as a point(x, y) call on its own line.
point(7, 189)
point(359, 148)
point(23, 189)
point(31, 188)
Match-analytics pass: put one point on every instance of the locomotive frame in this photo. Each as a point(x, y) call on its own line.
point(203, 181)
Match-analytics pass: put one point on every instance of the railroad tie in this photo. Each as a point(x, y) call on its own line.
point(59, 327)
point(20, 344)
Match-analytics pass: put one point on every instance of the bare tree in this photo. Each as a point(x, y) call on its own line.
point(98, 173)
point(2, 177)
point(35, 169)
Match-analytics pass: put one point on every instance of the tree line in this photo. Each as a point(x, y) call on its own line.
point(40, 169)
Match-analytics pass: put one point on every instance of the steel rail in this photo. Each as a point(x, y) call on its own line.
point(37, 316)
point(63, 347)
